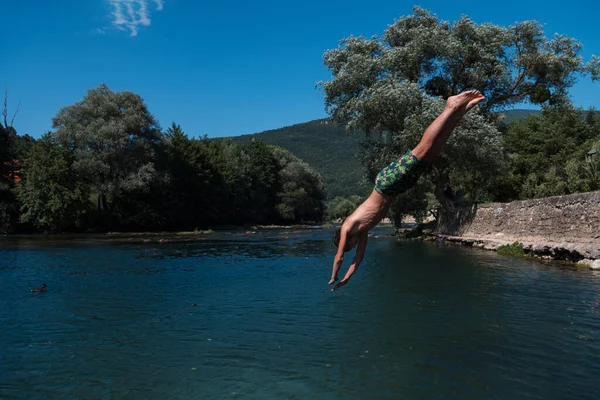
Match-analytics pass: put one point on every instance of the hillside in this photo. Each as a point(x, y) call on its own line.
point(333, 153)
point(324, 146)
point(512, 115)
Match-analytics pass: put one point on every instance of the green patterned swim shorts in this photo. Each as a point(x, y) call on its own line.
point(400, 175)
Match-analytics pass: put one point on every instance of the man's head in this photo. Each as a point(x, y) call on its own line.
point(350, 241)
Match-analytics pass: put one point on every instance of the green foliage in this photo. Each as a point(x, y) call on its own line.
point(9, 208)
point(51, 197)
point(301, 195)
point(548, 152)
point(508, 65)
point(22, 146)
point(471, 159)
point(415, 202)
point(263, 183)
point(193, 193)
point(13, 149)
point(512, 250)
point(341, 207)
point(113, 138)
point(107, 166)
point(335, 155)
point(327, 148)
point(7, 167)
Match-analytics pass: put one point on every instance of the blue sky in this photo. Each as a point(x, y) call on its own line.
point(221, 68)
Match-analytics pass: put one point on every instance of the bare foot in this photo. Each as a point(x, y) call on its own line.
point(332, 281)
point(465, 101)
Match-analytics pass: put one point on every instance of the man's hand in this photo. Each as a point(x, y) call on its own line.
point(340, 284)
point(360, 252)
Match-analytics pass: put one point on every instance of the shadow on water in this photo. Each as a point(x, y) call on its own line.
point(238, 315)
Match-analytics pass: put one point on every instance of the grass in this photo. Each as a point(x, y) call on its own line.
point(512, 250)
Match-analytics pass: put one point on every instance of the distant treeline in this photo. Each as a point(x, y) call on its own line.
point(108, 166)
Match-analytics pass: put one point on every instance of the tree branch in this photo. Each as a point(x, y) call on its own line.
point(5, 110)
point(520, 76)
point(15, 114)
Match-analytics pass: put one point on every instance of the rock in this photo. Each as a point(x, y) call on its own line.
point(595, 264)
point(586, 261)
point(540, 248)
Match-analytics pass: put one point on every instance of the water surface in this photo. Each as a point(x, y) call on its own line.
point(237, 315)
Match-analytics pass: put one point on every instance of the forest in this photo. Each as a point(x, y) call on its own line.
point(107, 166)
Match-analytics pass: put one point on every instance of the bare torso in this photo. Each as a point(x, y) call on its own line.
point(368, 214)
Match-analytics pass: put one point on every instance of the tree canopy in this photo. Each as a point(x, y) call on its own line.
point(396, 85)
point(509, 65)
point(108, 166)
point(551, 153)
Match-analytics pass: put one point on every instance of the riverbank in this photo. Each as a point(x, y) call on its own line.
point(580, 253)
point(565, 228)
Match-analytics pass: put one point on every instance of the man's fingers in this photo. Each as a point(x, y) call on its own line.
point(339, 285)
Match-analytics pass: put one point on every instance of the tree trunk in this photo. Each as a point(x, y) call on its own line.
point(104, 202)
point(442, 180)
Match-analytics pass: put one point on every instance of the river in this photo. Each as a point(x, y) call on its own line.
point(250, 316)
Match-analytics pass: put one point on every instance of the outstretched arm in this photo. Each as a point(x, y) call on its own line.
point(360, 253)
point(339, 257)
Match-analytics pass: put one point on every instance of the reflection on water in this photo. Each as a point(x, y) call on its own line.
point(239, 315)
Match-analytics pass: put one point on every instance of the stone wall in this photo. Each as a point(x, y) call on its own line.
point(561, 219)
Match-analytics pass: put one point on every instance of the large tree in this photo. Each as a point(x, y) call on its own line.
point(52, 199)
point(378, 83)
point(472, 158)
point(113, 138)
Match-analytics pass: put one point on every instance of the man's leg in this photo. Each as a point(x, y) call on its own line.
point(437, 133)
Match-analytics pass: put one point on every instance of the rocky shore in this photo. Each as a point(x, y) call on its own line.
point(581, 253)
point(565, 228)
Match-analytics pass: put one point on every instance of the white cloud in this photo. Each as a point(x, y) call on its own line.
point(130, 14)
